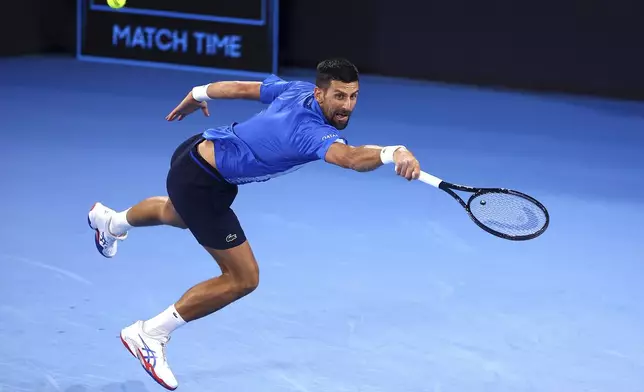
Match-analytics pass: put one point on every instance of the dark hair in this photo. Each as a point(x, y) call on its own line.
point(335, 69)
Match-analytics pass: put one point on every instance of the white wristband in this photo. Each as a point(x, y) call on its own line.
point(200, 94)
point(387, 153)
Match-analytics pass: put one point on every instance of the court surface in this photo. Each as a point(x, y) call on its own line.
point(368, 283)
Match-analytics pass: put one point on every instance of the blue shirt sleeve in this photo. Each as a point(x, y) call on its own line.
point(271, 88)
point(313, 141)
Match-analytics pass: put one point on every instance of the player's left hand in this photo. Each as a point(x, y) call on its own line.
point(188, 106)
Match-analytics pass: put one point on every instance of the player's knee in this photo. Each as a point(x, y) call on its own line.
point(169, 216)
point(247, 282)
point(239, 267)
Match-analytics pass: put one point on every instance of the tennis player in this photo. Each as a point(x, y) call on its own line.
point(301, 124)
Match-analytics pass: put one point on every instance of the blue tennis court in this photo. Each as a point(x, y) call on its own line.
point(368, 283)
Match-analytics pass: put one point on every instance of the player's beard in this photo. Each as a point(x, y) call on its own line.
point(340, 119)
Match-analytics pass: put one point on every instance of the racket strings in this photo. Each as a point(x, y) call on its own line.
point(508, 214)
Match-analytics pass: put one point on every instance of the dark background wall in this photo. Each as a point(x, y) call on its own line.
point(591, 46)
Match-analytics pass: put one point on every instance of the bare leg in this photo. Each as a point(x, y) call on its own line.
point(240, 277)
point(154, 211)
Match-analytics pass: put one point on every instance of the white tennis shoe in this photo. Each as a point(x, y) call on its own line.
point(150, 351)
point(99, 219)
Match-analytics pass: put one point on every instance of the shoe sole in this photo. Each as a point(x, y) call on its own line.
point(149, 371)
point(97, 234)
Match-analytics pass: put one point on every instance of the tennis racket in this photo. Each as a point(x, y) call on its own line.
point(505, 213)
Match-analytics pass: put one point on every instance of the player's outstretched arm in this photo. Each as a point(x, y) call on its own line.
point(227, 90)
point(368, 157)
point(196, 99)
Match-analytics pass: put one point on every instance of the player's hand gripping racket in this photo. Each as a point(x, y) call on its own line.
point(502, 212)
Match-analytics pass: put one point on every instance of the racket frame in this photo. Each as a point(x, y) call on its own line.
point(449, 188)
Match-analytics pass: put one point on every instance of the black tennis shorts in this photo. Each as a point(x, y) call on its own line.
point(202, 198)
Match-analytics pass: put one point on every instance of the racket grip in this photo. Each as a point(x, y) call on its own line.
point(429, 179)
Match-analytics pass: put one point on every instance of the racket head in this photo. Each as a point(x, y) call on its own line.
point(508, 214)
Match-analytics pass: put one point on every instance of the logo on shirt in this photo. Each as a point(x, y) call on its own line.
point(231, 237)
point(329, 136)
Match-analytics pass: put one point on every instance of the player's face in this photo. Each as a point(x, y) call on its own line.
point(338, 101)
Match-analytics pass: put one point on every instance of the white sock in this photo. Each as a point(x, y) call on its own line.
point(164, 323)
point(119, 224)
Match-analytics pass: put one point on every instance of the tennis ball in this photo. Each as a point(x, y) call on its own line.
point(116, 3)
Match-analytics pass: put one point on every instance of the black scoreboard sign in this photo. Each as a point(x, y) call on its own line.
point(228, 36)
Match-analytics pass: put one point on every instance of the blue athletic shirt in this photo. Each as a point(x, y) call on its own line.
point(289, 133)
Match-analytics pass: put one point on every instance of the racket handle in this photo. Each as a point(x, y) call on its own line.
point(429, 179)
